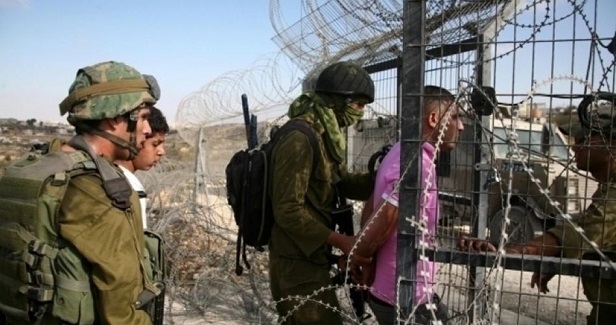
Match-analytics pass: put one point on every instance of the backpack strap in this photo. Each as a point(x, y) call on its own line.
point(115, 185)
point(305, 128)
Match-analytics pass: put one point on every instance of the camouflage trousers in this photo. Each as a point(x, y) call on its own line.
point(296, 277)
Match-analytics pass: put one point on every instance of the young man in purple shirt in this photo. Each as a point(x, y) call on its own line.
point(380, 217)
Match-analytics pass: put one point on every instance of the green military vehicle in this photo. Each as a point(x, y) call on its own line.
point(538, 177)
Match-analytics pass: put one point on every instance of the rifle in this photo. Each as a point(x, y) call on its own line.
point(159, 305)
point(250, 123)
point(342, 218)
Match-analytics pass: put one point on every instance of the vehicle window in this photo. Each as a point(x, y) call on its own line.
point(526, 140)
point(559, 149)
point(529, 140)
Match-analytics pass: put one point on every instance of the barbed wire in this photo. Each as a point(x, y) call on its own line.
point(202, 232)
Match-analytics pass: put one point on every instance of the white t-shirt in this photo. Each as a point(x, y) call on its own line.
point(138, 187)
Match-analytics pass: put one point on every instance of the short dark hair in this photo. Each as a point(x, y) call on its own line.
point(158, 122)
point(434, 95)
point(86, 126)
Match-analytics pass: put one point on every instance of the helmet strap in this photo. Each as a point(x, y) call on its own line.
point(131, 145)
point(132, 123)
point(131, 128)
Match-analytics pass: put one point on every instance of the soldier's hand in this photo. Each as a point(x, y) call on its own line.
point(475, 244)
point(368, 274)
point(363, 275)
point(541, 280)
point(345, 244)
point(356, 273)
point(360, 260)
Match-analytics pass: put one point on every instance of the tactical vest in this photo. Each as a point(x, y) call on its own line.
point(43, 279)
point(31, 253)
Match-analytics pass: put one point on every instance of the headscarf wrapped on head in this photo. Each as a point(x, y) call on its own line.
point(333, 111)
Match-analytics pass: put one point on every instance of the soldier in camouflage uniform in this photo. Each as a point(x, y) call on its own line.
point(108, 103)
point(595, 150)
point(304, 195)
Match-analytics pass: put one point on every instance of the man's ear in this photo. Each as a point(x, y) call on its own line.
point(433, 118)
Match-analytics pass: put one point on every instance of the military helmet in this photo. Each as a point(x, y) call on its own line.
point(346, 78)
point(596, 113)
point(107, 90)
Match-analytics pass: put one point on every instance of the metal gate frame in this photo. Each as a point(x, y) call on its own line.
point(410, 77)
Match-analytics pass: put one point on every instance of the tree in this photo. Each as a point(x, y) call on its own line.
point(30, 122)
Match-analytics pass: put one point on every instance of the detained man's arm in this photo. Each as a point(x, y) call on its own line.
point(367, 211)
point(546, 245)
point(377, 228)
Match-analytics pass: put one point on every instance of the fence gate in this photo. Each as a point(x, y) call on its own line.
point(519, 70)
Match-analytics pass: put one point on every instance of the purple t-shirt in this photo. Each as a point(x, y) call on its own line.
point(388, 176)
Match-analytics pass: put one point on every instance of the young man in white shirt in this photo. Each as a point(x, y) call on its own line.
point(151, 153)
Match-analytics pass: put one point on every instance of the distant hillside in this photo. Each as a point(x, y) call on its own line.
point(220, 142)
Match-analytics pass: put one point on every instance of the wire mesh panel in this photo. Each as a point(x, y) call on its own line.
point(512, 179)
point(379, 127)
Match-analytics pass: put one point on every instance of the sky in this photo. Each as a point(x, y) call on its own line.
point(184, 44)
point(187, 44)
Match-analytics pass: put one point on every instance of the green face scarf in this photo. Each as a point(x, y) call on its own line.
point(348, 116)
point(326, 108)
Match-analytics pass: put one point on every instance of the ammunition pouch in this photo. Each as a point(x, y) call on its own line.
point(73, 301)
point(152, 299)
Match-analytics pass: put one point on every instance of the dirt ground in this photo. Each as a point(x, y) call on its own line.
point(518, 304)
point(564, 304)
point(511, 300)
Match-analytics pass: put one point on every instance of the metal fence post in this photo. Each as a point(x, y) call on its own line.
point(413, 56)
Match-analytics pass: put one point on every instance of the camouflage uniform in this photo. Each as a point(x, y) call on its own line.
point(89, 263)
point(108, 238)
point(599, 224)
point(84, 254)
point(302, 203)
point(111, 242)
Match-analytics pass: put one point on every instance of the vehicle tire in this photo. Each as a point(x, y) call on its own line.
point(523, 225)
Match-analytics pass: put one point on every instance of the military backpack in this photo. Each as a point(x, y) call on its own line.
point(247, 190)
